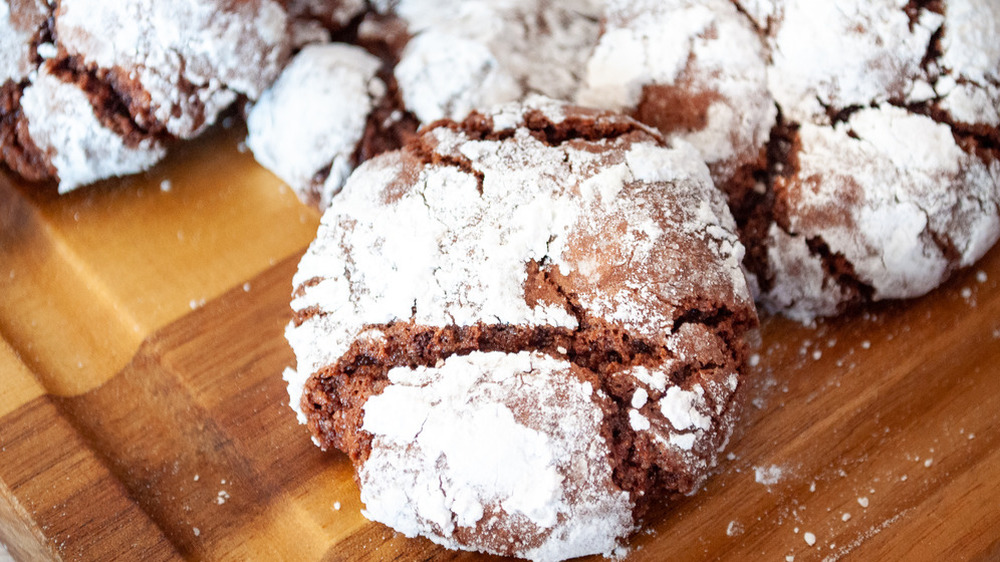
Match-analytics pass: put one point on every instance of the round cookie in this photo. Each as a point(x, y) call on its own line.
point(307, 127)
point(556, 296)
point(464, 55)
point(111, 83)
point(885, 173)
point(695, 71)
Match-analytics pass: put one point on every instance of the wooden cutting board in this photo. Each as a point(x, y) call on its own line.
point(143, 415)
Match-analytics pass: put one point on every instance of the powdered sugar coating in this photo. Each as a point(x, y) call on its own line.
point(970, 91)
point(337, 13)
point(914, 199)
point(704, 56)
point(433, 248)
point(443, 75)
point(506, 257)
point(681, 423)
point(887, 99)
point(489, 433)
point(192, 58)
point(466, 55)
point(313, 117)
point(64, 127)
point(842, 54)
point(20, 21)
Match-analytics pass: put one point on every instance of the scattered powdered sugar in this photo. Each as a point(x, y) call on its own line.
point(768, 475)
point(473, 54)
point(477, 443)
point(313, 117)
point(192, 57)
point(63, 126)
point(706, 49)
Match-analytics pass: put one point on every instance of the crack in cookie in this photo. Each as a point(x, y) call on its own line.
point(533, 251)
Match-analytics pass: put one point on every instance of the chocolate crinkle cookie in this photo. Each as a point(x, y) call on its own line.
point(438, 60)
point(92, 89)
point(885, 171)
point(524, 328)
point(309, 127)
point(857, 141)
point(695, 70)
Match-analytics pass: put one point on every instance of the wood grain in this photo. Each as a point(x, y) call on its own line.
point(876, 433)
point(88, 276)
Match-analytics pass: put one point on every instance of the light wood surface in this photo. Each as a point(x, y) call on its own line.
point(143, 415)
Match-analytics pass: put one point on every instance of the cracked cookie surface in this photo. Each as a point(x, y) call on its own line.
point(110, 84)
point(890, 178)
point(308, 126)
point(880, 173)
point(695, 70)
point(539, 274)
